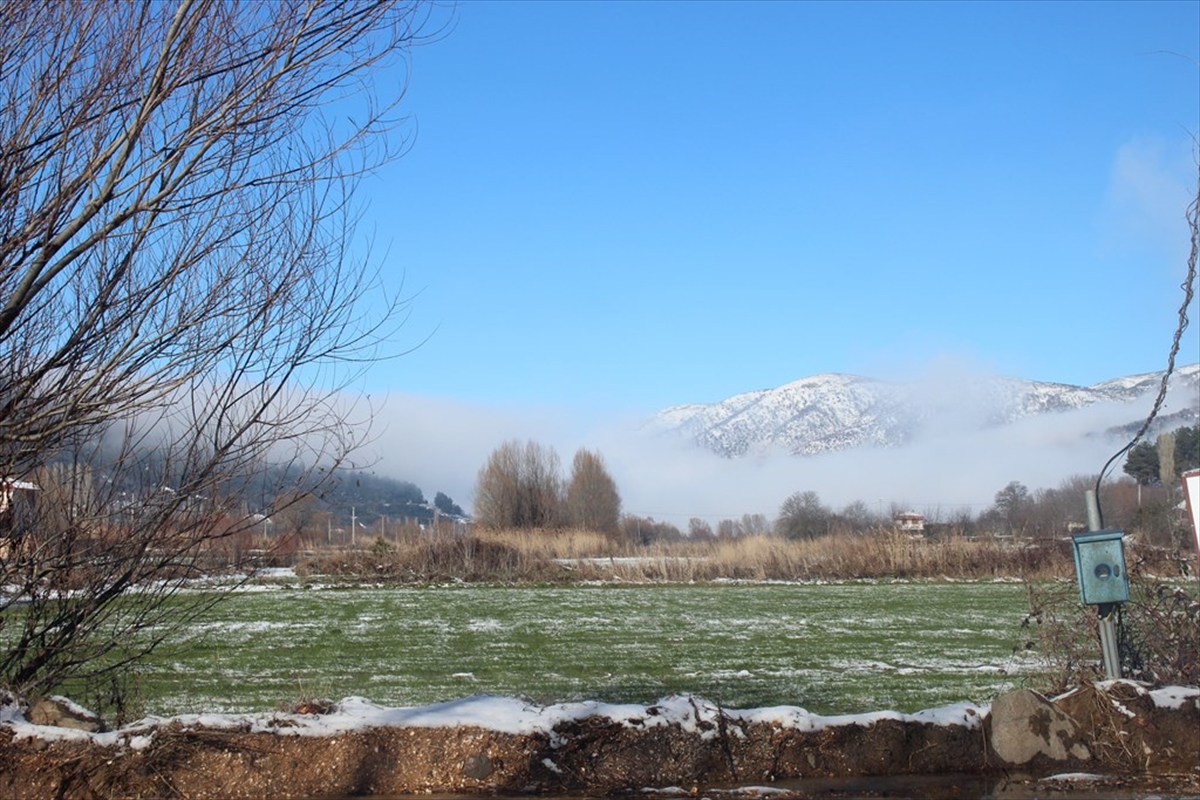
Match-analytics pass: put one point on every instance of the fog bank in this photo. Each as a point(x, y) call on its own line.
point(441, 444)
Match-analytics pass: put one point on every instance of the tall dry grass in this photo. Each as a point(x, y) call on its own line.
point(882, 554)
point(887, 554)
point(575, 555)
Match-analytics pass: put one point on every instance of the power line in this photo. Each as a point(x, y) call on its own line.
point(1193, 219)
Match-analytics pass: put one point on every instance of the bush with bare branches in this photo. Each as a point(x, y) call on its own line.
point(1158, 628)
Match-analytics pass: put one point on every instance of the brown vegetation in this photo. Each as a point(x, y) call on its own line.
point(536, 555)
point(521, 486)
point(1159, 628)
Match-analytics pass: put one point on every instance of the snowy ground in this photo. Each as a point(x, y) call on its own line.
point(506, 746)
point(516, 716)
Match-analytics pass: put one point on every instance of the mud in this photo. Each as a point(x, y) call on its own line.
point(1134, 748)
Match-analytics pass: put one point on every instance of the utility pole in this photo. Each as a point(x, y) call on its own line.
point(1099, 564)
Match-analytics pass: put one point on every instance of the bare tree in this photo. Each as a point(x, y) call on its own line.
point(179, 295)
point(593, 502)
point(642, 531)
point(700, 530)
point(856, 517)
point(802, 516)
point(1013, 506)
point(519, 487)
point(753, 525)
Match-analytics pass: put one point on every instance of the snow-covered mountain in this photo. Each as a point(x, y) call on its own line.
point(834, 412)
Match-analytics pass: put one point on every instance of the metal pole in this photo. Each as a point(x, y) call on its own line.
point(1106, 611)
point(1108, 640)
point(1093, 510)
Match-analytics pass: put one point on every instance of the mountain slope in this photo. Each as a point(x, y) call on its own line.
point(830, 412)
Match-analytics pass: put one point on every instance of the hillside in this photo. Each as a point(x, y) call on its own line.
point(823, 413)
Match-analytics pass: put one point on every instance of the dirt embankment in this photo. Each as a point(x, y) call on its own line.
point(1118, 729)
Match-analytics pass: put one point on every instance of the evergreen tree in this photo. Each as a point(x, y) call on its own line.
point(444, 504)
point(1187, 449)
point(1142, 464)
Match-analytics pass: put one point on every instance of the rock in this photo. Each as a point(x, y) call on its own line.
point(62, 713)
point(1026, 727)
point(478, 767)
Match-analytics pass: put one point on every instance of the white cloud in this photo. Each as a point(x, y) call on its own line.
point(946, 470)
point(1151, 183)
point(441, 444)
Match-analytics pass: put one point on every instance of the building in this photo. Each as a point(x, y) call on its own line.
point(909, 522)
point(10, 491)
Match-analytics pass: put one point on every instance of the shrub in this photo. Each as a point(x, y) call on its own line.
point(1158, 629)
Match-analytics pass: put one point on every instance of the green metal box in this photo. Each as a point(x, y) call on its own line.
point(1100, 567)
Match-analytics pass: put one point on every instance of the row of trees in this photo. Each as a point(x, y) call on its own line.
point(1146, 503)
point(521, 486)
point(1017, 510)
point(1165, 459)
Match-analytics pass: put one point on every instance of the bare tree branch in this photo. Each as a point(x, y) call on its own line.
point(181, 300)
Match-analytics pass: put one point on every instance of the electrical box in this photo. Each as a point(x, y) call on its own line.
point(1100, 567)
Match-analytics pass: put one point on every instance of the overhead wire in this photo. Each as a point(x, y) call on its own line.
point(1193, 219)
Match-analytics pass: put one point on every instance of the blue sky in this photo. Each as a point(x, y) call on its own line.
point(642, 204)
point(610, 208)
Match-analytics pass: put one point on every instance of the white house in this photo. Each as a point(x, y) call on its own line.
point(909, 522)
point(9, 488)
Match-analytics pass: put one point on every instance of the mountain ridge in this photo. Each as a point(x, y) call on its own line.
point(838, 411)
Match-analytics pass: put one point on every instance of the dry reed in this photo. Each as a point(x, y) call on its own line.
point(575, 555)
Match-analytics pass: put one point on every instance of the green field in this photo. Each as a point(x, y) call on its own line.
point(838, 648)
